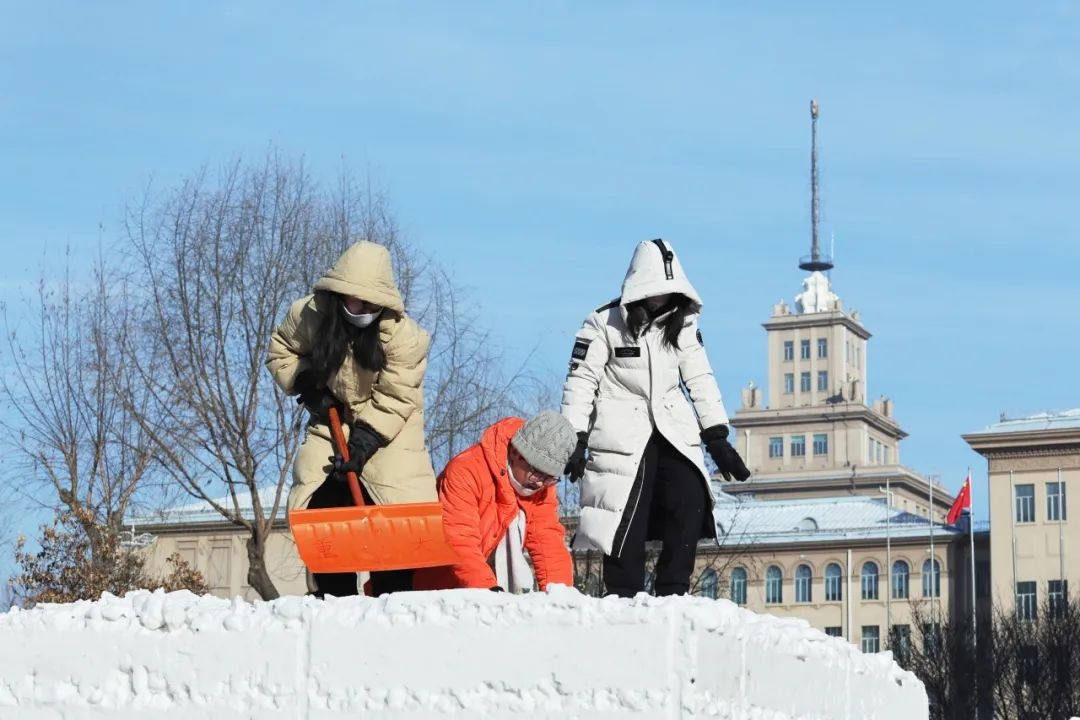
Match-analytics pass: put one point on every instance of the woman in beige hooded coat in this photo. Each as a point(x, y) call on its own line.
point(351, 344)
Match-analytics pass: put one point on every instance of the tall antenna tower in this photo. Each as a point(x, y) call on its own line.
point(815, 260)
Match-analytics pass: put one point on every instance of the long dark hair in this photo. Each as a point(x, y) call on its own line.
point(334, 336)
point(638, 318)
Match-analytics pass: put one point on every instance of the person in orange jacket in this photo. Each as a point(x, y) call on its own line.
point(499, 502)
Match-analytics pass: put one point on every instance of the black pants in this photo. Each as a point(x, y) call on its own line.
point(334, 493)
point(672, 506)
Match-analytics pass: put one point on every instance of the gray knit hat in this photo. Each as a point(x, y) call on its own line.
point(546, 442)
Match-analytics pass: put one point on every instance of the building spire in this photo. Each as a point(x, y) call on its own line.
point(815, 261)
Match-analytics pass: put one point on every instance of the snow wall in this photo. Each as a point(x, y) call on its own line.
point(463, 653)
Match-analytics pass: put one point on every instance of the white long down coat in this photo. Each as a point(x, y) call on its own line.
point(620, 388)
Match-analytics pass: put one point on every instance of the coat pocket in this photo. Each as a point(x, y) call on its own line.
point(684, 420)
point(621, 426)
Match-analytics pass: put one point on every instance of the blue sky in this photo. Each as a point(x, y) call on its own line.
point(528, 149)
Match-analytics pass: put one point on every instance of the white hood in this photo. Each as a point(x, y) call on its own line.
point(650, 274)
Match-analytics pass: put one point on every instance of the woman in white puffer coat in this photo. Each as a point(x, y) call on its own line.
point(645, 475)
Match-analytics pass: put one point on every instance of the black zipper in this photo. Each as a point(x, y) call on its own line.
point(624, 525)
point(668, 258)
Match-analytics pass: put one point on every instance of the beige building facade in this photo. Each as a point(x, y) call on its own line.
point(814, 435)
point(1035, 549)
point(218, 549)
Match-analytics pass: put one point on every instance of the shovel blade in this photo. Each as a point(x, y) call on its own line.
point(371, 538)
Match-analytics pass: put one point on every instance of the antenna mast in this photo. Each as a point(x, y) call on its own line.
point(815, 261)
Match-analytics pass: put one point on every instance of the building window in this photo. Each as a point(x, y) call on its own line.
point(931, 638)
point(803, 584)
point(823, 381)
point(708, 584)
point(869, 580)
point(1025, 601)
point(738, 586)
point(798, 446)
point(982, 579)
point(1027, 672)
point(1059, 597)
point(804, 382)
point(1025, 503)
point(886, 455)
point(871, 639)
point(804, 349)
point(900, 580)
point(650, 582)
point(1056, 509)
point(776, 447)
point(900, 641)
point(834, 587)
point(834, 631)
point(821, 444)
point(931, 578)
point(789, 350)
point(774, 585)
point(822, 348)
point(789, 383)
point(880, 447)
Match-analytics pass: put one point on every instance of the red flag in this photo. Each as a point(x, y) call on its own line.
point(962, 502)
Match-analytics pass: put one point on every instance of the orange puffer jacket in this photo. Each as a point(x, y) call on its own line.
point(479, 504)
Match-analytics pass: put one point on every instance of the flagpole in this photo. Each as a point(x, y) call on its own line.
point(888, 556)
point(1061, 533)
point(1012, 532)
point(971, 537)
point(974, 617)
point(933, 559)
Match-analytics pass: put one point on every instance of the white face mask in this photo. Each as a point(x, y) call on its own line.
point(518, 487)
point(360, 321)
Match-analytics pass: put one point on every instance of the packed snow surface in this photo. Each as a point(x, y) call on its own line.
point(419, 655)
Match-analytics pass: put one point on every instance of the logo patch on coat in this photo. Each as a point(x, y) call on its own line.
point(581, 349)
point(627, 352)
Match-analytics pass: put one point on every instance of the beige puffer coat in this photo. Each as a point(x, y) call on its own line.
point(390, 401)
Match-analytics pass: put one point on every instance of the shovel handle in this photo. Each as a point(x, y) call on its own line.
point(342, 448)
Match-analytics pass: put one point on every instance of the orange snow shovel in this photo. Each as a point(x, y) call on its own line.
point(369, 537)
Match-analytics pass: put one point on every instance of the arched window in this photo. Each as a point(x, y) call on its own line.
point(803, 584)
point(707, 584)
point(900, 576)
point(869, 580)
point(738, 586)
point(834, 583)
point(931, 578)
point(774, 585)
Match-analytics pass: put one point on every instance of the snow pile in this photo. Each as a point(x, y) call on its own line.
point(420, 655)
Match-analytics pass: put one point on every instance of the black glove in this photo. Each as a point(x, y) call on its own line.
point(363, 442)
point(726, 458)
point(575, 467)
point(496, 589)
point(316, 400)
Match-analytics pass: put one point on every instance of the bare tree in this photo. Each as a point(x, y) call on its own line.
point(75, 446)
point(222, 259)
point(1036, 662)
